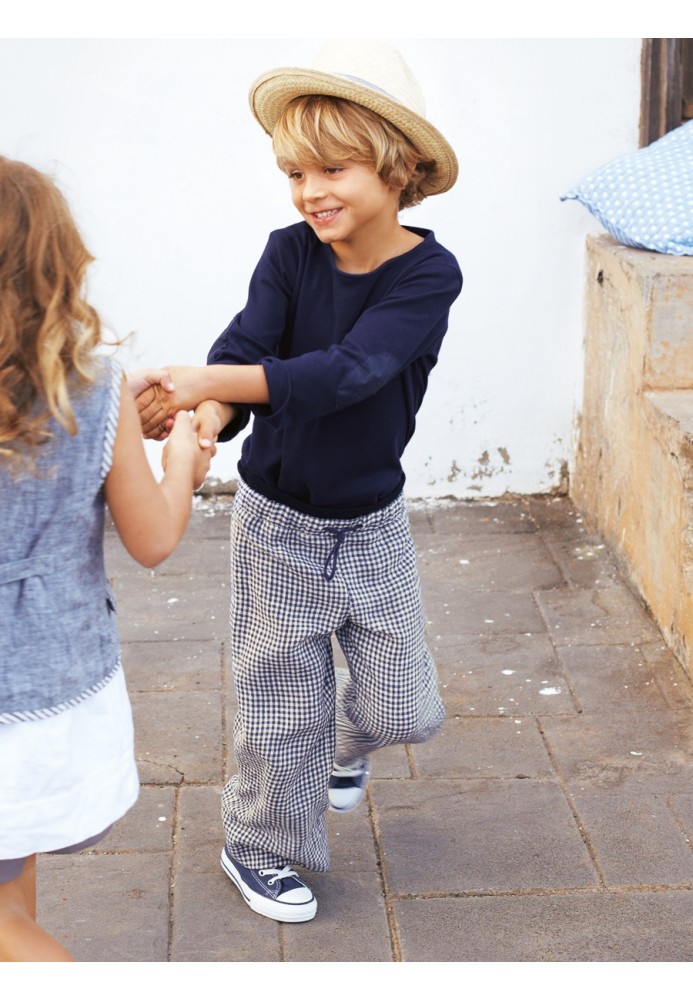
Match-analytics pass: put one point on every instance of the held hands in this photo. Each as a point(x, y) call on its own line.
point(147, 378)
point(160, 393)
point(153, 392)
point(158, 399)
point(182, 446)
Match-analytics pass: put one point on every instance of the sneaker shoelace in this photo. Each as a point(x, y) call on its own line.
point(278, 874)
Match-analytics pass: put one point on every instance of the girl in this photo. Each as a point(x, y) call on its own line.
point(69, 440)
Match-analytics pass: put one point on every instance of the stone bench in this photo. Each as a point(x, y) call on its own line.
point(633, 474)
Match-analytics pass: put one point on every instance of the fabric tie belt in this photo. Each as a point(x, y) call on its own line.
point(25, 568)
point(339, 534)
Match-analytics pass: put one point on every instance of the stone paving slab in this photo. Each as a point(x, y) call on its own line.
point(108, 908)
point(588, 927)
point(502, 675)
point(606, 747)
point(616, 679)
point(598, 616)
point(673, 685)
point(147, 828)
point(173, 665)
point(501, 562)
point(484, 748)
point(464, 612)
point(442, 836)
point(636, 837)
point(210, 925)
point(177, 735)
point(470, 520)
point(174, 608)
point(352, 924)
point(550, 820)
point(583, 563)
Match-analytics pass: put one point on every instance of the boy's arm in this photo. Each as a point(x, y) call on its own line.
point(192, 385)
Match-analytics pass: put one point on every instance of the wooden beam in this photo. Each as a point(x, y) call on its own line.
point(662, 100)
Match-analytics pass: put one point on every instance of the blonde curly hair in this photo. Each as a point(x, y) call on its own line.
point(48, 331)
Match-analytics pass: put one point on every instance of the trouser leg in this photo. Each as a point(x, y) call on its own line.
point(282, 616)
point(274, 807)
point(390, 694)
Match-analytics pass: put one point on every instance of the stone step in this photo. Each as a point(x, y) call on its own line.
point(668, 517)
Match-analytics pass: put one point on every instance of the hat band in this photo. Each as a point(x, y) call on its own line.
point(367, 83)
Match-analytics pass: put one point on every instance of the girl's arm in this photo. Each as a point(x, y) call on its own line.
point(151, 517)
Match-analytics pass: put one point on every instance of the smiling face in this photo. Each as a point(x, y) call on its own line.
point(348, 170)
point(344, 202)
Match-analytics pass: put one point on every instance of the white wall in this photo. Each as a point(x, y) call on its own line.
point(175, 189)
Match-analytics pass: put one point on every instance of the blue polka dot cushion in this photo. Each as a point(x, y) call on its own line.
point(645, 199)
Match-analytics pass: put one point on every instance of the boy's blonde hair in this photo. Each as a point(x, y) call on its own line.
point(318, 129)
point(47, 329)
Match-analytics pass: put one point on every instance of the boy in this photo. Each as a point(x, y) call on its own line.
point(331, 355)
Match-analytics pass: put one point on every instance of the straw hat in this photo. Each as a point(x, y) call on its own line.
point(369, 73)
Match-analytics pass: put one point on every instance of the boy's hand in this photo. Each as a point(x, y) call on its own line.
point(207, 423)
point(159, 403)
point(153, 390)
point(139, 381)
point(182, 445)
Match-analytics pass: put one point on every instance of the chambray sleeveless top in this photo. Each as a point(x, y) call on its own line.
point(58, 639)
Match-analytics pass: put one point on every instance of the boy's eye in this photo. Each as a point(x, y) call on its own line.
point(295, 175)
point(333, 170)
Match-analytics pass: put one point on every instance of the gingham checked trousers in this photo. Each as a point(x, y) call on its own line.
point(296, 581)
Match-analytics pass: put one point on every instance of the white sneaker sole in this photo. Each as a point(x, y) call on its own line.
point(288, 913)
point(354, 805)
point(346, 809)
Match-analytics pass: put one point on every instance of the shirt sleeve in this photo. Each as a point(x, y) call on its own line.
point(256, 331)
point(407, 323)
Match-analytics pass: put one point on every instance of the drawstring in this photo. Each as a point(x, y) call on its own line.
point(331, 561)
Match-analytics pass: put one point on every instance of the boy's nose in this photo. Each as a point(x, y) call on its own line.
point(313, 188)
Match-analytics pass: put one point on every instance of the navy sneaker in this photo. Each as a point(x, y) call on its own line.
point(347, 785)
point(274, 892)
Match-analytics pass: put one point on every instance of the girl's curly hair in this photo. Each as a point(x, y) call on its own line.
point(48, 331)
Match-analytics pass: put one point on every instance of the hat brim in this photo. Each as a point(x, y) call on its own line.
point(272, 91)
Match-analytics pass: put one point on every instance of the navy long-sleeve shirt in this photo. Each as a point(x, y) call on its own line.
point(347, 359)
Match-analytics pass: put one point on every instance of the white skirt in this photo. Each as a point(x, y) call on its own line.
point(68, 777)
